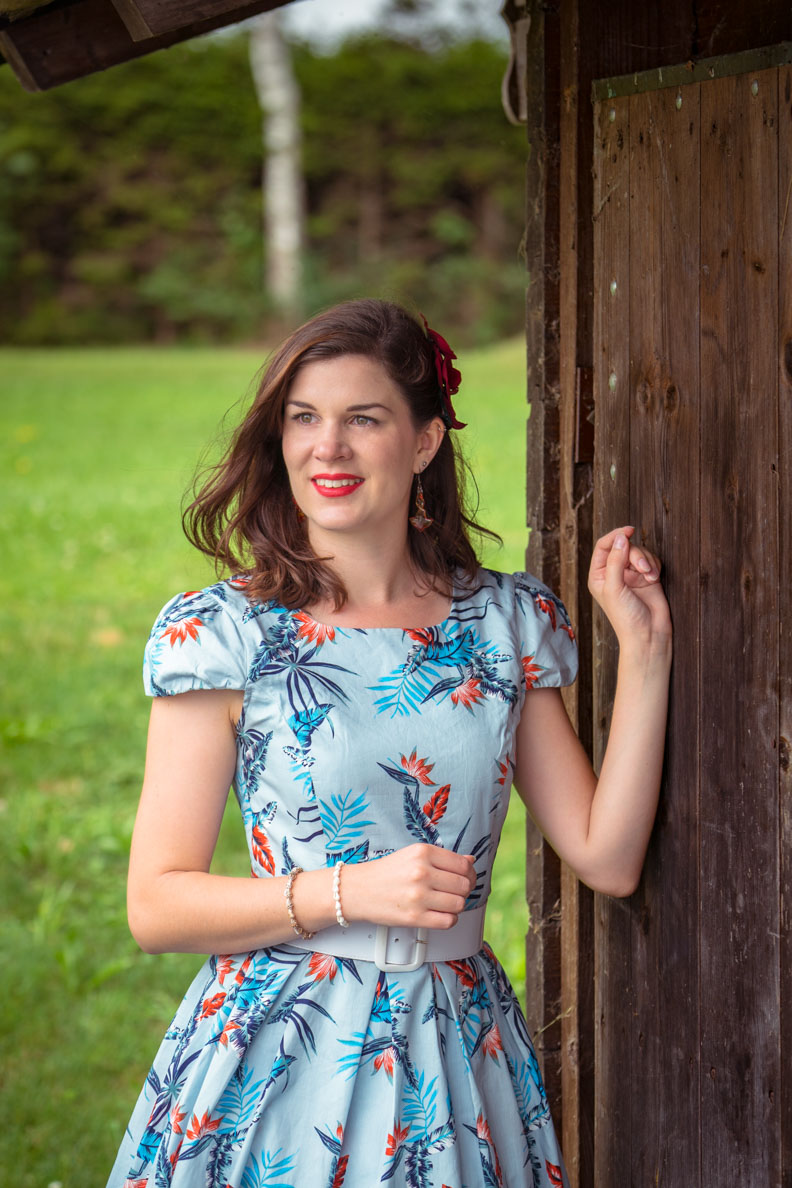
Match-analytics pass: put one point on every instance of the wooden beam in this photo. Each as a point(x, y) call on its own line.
point(157, 18)
point(77, 37)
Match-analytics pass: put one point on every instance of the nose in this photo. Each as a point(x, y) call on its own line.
point(330, 443)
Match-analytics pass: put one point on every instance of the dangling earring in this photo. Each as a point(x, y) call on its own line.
point(420, 520)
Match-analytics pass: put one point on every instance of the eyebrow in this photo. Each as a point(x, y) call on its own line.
point(349, 408)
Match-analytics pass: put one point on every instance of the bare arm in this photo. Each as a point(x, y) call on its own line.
point(601, 827)
point(176, 905)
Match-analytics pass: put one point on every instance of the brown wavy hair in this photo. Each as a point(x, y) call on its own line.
point(243, 514)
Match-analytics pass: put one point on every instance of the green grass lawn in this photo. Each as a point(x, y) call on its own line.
point(96, 450)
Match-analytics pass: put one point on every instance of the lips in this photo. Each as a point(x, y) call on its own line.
point(334, 485)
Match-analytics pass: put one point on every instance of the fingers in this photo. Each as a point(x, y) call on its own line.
point(617, 561)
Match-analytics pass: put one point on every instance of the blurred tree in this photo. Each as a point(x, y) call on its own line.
point(282, 198)
point(130, 201)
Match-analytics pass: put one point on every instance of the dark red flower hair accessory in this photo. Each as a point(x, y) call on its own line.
point(448, 377)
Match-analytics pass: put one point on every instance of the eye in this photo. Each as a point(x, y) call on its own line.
point(362, 419)
point(302, 418)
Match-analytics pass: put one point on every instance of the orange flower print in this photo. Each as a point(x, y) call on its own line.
point(340, 1133)
point(420, 635)
point(503, 768)
point(136, 1183)
point(483, 1130)
point(177, 633)
point(417, 767)
point(201, 1126)
point(464, 972)
point(177, 1116)
point(548, 609)
point(338, 1178)
point(261, 850)
point(491, 1044)
point(318, 633)
point(322, 965)
point(224, 966)
point(174, 1158)
point(554, 1172)
point(531, 670)
point(227, 1031)
point(468, 693)
point(386, 1060)
point(436, 804)
point(212, 1005)
point(570, 633)
point(396, 1139)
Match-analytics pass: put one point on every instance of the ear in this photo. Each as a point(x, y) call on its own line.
point(429, 441)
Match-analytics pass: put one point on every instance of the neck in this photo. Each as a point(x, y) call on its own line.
point(374, 573)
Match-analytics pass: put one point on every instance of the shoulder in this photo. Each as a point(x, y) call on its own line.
point(537, 623)
point(203, 639)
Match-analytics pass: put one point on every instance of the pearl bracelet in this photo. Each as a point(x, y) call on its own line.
point(337, 895)
point(287, 894)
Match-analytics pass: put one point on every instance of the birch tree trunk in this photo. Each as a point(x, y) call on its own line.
point(282, 189)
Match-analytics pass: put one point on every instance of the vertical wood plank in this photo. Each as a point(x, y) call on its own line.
point(613, 991)
point(665, 201)
point(785, 599)
point(542, 886)
point(573, 902)
point(739, 632)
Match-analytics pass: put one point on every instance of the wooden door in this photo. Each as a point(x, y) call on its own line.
point(693, 399)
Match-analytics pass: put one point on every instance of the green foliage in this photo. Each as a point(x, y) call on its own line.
point(96, 450)
point(130, 203)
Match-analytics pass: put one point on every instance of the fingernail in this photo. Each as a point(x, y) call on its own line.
point(644, 565)
point(620, 542)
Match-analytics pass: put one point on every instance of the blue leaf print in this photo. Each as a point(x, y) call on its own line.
point(420, 1103)
point(239, 1099)
point(343, 821)
point(331, 1141)
point(267, 1173)
point(305, 721)
point(353, 854)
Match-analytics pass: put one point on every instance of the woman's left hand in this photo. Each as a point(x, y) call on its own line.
point(624, 579)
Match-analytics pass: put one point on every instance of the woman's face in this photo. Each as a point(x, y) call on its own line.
point(351, 448)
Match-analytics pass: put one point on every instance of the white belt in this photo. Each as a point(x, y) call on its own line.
point(399, 949)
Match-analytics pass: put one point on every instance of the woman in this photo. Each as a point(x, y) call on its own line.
point(371, 693)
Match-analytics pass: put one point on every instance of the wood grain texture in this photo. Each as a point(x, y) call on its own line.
point(613, 1003)
point(77, 37)
point(665, 199)
point(739, 632)
point(785, 603)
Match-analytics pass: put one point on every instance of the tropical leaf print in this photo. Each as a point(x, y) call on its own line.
point(344, 819)
point(268, 1172)
point(419, 1103)
point(240, 1099)
point(425, 674)
point(252, 752)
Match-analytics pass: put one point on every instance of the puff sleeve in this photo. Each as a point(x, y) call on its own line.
point(548, 650)
point(195, 643)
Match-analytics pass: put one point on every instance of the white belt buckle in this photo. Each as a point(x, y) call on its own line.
point(381, 951)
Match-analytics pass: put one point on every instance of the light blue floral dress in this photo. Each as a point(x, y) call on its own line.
point(290, 1069)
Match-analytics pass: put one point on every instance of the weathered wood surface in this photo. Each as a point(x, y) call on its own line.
point(663, 333)
point(613, 1002)
point(785, 605)
point(575, 481)
point(154, 18)
point(77, 37)
point(693, 976)
point(543, 873)
point(739, 630)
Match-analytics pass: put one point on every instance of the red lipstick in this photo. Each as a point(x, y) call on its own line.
point(332, 486)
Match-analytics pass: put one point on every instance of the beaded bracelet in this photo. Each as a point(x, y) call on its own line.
point(287, 894)
point(337, 895)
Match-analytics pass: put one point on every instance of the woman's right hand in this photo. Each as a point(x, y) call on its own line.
point(421, 885)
